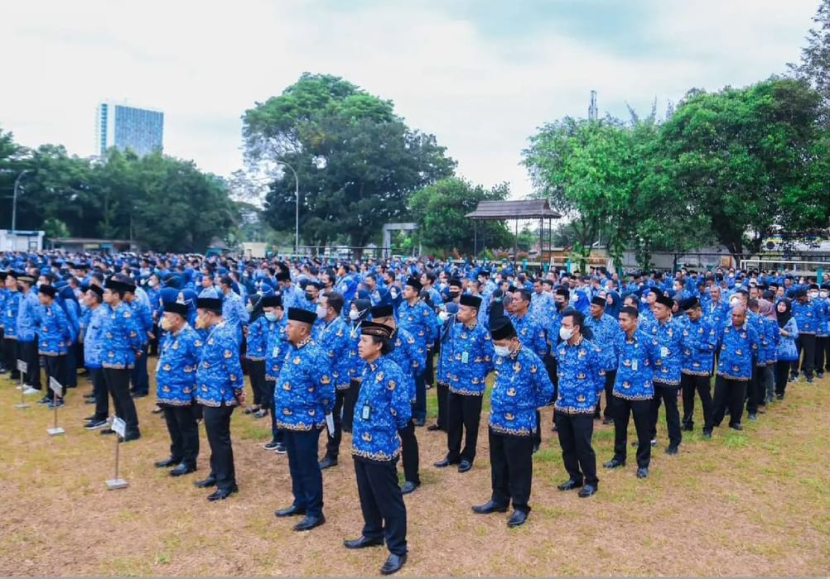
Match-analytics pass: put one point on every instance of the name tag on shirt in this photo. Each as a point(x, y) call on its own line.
point(664, 352)
point(465, 357)
point(275, 352)
point(634, 365)
point(366, 412)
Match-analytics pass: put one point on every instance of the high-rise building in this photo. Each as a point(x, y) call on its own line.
point(126, 127)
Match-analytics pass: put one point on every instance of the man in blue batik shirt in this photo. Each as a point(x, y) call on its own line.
point(739, 344)
point(418, 320)
point(607, 333)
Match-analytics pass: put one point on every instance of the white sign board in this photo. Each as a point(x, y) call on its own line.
point(22, 367)
point(55, 386)
point(119, 426)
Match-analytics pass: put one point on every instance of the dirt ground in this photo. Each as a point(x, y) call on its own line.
point(750, 503)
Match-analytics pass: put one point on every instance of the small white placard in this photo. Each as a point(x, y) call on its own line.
point(55, 386)
point(119, 426)
point(330, 423)
point(22, 367)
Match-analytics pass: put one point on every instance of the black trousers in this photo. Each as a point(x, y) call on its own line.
point(306, 476)
point(443, 391)
point(381, 501)
point(99, 391)
point(184, 434)
point(55, 367)
point(511, 469)
point(668, 395)
point(256, 372)
point(807, 347)
point(691, 384)
point(575, 432)
point(348, 404)
point(623, 410)
point(782, 375)
point(755, 392)
point(429, 372)
point(553, 374)
point(464, 416)
point(822, 362)
point(333, 441)
point(610, 376)
point(218, 430)
point(118, 384)
point(267, 403)
point(29, 354)
point(409, 453)
point(70, 378)
point(731, 393)
point(10, 355)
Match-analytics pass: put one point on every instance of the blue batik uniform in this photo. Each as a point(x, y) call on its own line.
point(54, 334)
point(274, 352)
point(716, 312)
point(606, 337)
point(756, 321)
point(219, 377)
point(10, 311)
point(404, 355)
point(738, 347)
point(542, 307)
point(445, 354)
point(355, 361)
point(700, 340)
point(772, 336)
point(257, 339)
point(27, 314)
point(581, 377)
point(235, 314)
point(531, 334)
point(210, 292)
point(143, 318)
point(669, 338)
point(472, 359)
point(822, 308)
point(382, 409)
point(333, 338)
point(304, 393)
point(92, 324)
point(121, 337)
point(806, 317)
point(520, 387)
point(635, 366)
point(419, 322)
point(177, 367)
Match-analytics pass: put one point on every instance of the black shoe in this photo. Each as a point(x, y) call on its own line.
point(737, 426)
point(516, 519)
point(309, 523)
point(362, 543)
point(687, 427)
point(535, 448)
point(809, 380)
point(210, 481)
point(130, 437)
point(222, 494)
point(292, 511)
point(261, 413)
point(671, 449)
point(44, 400)
point(554, 429)
point(271, 445)
point(409, 487)
point(587, 491)
point(142, 395)
point(393, 564)
point(158, 409)
point(607, 421)
point(465, 466)
point(444, 462)
point(569, 485)
point(779, 396)
point(707, 434)
point(89, 401)
point(107, 431)
point(327, 462)
point(489, 507)
point(419, 421)
point(613, 463)
point(642, 472)
point(91, 418)
point(434, 427)
point(182, 469)
point(167, 462)
point(753, 417)
point(95, 424)
point(653, 442)
point(281, 448)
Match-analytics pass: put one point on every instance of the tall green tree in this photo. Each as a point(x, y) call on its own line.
point(439, 210)
point(815, 57)
point(356, 161)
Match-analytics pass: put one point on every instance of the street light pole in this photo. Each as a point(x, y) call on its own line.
point(14, 199)
point(297, 208)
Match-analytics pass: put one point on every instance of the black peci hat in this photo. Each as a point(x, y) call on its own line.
point(212, 304)
point(502, 329)
point(176, 308)
point(383, 311)
point(470, 301)
point(302, 316)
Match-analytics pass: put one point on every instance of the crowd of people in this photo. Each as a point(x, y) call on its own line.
point(354, 347)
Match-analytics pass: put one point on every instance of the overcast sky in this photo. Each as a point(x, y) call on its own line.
point(481, 75)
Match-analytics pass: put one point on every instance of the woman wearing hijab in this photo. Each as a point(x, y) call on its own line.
point(787, 350)
point(768, 353)
point(358, 313)
point(614, 304)
point(256, 342)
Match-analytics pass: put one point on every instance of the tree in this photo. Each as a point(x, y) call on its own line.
point(439, 210)
point(815, 57)
point(356, 161)
point(748, 160)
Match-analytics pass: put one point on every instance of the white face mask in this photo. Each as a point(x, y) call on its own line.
point(823, 294)
point(394, 293)
point(565, 333)
point(502, 351)
point(321, 311)
point(354, 315)
point(813, 295)
point(271, 316)
point(443, 316)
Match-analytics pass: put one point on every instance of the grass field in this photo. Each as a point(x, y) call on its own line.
point(750, 503)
